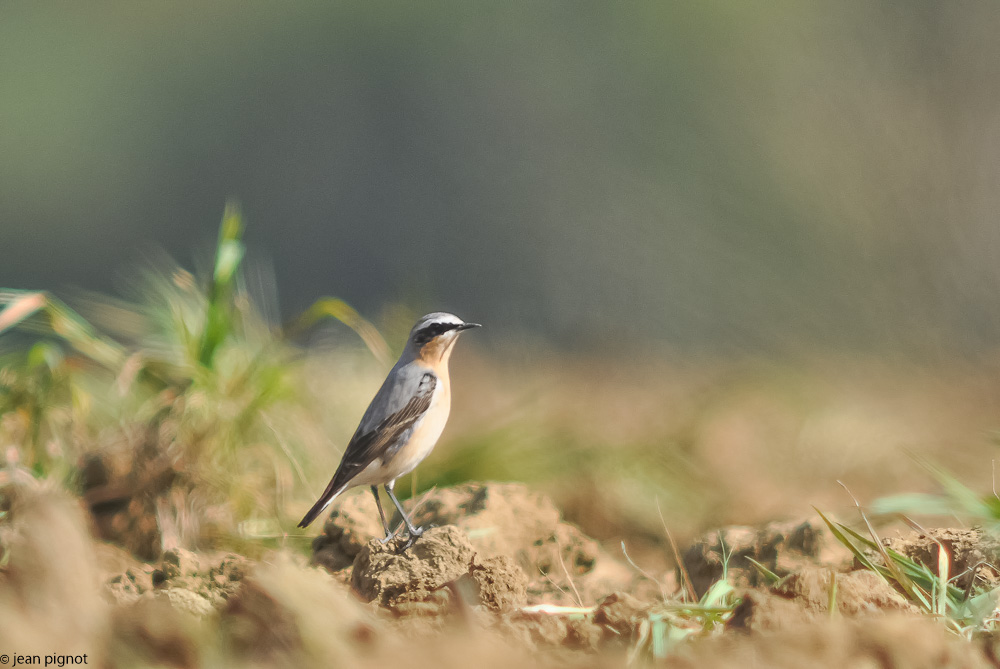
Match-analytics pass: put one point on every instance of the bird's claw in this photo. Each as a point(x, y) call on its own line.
point(415, 533)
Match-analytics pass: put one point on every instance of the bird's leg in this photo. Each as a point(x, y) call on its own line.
point(389, 534)
point(414, 531)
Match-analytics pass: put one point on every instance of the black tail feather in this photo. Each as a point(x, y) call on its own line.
point(325, 499)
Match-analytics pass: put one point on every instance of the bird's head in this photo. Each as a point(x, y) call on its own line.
point(432, 338)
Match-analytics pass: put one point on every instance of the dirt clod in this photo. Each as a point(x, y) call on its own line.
point(192, 582)
point(388, 575)
point(760, 610)
point(972, 554)
point(499, 519)
point(287, 614)
point(536, 629)
point(804, 597)
point(430, 577)
point(352, 524)
point(258, 626)
point(857, 593)
point(502, 585)
point(584, 634)
point(122, 486)
point(152, 632)
point(780, 547)
point(620, 613)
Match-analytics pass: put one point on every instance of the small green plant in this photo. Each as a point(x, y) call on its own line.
point(965, 611)
point(679, 619)
point(675, 622)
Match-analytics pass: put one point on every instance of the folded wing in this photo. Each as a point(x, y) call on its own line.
point(380, 440)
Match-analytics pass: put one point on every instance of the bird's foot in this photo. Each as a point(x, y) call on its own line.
point(415, 533)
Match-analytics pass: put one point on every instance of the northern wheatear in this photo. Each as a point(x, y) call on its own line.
point(403, 422)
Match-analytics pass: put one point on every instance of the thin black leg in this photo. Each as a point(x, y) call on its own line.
point(381, 514)
point(414, 531)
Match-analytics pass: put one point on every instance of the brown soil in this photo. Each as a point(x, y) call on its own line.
point(193, 582)
point(804, 597)
point(561, 564)
point(439, 572)
point(463, 592)
point(972, 555)
point(890, 643)
point(779, 547)
point(124, 484)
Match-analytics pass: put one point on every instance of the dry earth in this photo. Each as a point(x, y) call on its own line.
point(470, 587)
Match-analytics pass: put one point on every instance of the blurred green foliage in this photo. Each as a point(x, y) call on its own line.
point(203, 374)
point(954, 499)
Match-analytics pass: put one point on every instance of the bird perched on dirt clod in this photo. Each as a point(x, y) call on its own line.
point(403, 422)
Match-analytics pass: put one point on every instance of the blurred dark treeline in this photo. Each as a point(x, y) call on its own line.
point(710, 175)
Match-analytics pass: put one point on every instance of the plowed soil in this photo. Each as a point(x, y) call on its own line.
point(498, 579)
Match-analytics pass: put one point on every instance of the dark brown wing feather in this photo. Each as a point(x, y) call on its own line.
point(381, 442)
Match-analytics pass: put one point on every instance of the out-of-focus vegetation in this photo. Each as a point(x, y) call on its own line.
point(954, 499)
point(194, 393)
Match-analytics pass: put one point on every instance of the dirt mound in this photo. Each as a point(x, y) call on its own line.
point(499, 519)
point(351, 525)
point(612, 624)
point(432, 575)
point(280, 613)
point(780, 547)
point(805, 597)
point(292, 615)
point(888, 643)
point(50, 597)
point(500, 584)
point(195, 583)
point(972, 555)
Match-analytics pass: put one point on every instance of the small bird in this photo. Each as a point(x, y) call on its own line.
point(403, 422)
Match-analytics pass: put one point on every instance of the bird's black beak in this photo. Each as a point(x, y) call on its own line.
point(467, 326)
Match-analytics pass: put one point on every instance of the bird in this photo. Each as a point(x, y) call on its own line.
point(403, 422)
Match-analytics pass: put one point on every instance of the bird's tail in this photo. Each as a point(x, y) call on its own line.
point(330, 494)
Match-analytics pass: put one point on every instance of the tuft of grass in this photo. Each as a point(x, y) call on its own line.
point(677, 620)
point(674, 622)
point(202, 380)
point(965, 611)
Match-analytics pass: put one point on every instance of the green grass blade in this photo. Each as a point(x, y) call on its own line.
point(219, 308)
point(914, 503)
point(768, 575)
point(59, 320)
point(332, 307)
point(859, 555)
point(20, 305)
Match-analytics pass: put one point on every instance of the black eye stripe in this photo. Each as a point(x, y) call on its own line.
point(431, 330)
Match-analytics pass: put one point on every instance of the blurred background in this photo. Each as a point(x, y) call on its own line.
point(725, 252)
point(709, 175)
